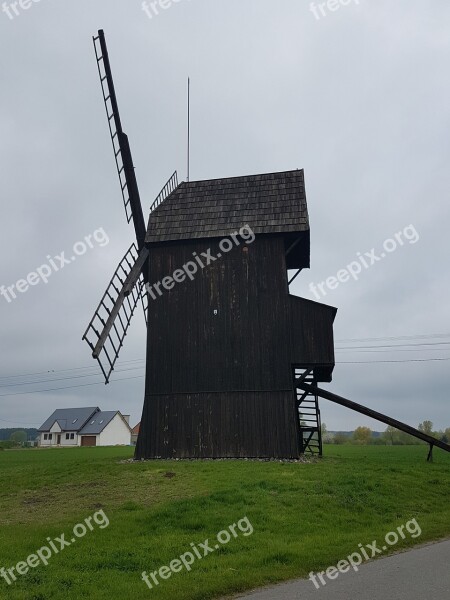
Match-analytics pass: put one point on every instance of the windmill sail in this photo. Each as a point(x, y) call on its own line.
point(109, 325)
point(121, 146)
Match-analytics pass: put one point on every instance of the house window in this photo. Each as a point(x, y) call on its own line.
point(45, 436)
point(50, 435)
point(72, 436)
point(67, 436)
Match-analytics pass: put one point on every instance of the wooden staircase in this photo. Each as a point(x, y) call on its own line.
point(307, 403)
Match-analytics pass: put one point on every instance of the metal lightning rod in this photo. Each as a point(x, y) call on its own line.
point(189, 130)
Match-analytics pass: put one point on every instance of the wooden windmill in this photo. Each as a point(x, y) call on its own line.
point(233, 359)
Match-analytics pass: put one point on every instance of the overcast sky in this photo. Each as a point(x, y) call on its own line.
point(358, 97)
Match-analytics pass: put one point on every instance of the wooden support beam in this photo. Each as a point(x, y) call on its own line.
point(295, 276)
point(303, 397)
point(302, 378)
point(377, 416)
point(293, 245)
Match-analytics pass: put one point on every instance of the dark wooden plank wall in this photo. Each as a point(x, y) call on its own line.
point(220, 385)
point(224, 424)
point(245, 346)
point(312, 335)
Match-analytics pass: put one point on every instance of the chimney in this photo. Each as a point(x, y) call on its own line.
point(127, 418)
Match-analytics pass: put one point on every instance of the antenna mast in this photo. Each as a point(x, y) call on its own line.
point(189, 130)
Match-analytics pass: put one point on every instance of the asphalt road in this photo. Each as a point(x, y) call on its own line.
point(417, 574)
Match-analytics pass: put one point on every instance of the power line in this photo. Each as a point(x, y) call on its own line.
point(65, 370)
point(371, 362)
point(64, 378)
point(366, 362)
point(19, 422)
point(402, 337)
point(136, 360)
point(396, 345)
point(388, 351)
point(141, 376)
point(70, 387)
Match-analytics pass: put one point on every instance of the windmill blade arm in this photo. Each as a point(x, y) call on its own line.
point(136, 272)
point(109, 325)
point(121, 147)
point(133, 190)
point(128, 287)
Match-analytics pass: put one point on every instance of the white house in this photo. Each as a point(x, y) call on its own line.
point(85, 427)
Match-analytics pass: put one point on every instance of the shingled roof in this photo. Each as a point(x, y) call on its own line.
point(98, 422)
point(69, 419)
point(269, 203)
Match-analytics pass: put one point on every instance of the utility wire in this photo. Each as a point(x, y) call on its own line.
point(65, 370)
point(137, 360)
point(371, 362)
point(19, 422)
point(70, 387)
point(401, 337)
point(396, 346)
point(366, 362)
point(24, 383)
point(387, 350)
point(65, 378)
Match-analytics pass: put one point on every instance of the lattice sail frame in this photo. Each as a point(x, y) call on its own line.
point(118, 307)
point(118, 138)
point(107, 330)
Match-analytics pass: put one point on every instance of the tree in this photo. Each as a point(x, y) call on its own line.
point(426, 427)
point(377, 440)
point(362, 435)
point(18, 437)
point(340, 438)
point(390, 435)
point(446, 436)
point(442, 436)
point(327, 437)
point(405, 439)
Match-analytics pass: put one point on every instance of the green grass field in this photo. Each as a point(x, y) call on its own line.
point(305, 517)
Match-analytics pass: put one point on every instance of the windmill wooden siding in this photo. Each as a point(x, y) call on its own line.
point(311, 331)
point(223, 424)
point(221, 348)
point(239, 345)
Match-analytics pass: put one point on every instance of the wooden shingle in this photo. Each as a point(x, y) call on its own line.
point(268, 203)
